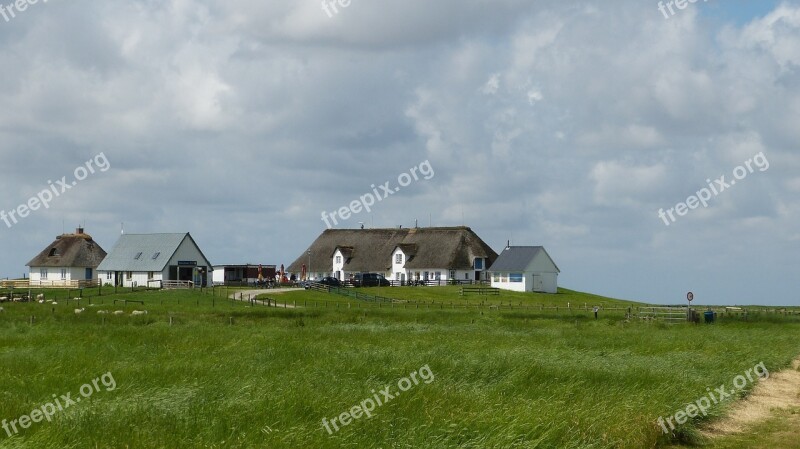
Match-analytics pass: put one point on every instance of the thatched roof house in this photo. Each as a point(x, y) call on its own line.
point(398, 253)
point(69, 259)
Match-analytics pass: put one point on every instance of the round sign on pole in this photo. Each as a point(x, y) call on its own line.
point(690, 296)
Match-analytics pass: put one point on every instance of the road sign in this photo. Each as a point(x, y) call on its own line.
point(690, 296)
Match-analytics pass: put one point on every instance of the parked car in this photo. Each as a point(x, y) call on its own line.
point(369, 280)
point(330, 280)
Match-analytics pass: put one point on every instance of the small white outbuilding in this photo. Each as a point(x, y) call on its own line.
point(525, 269)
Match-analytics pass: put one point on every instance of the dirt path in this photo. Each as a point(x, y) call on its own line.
point(245, 294)
point(780, 391)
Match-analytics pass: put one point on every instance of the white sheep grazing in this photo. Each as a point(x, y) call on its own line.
point(76, 299)
point(2, 309)
point(41, 301)
point(79, 311)
point(3, 298)
point(54, 303)
point(102, 312)
point(119, 312)
point(139, 312)
point(40, 296)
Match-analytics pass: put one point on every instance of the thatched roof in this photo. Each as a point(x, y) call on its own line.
point(371, 249)
point(70, 250)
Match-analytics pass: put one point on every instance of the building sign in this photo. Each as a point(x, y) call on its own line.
point(187, 263)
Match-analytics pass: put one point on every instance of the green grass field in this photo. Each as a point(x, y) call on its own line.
point(201, 371)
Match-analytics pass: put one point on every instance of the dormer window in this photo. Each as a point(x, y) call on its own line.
point(478, 263)
point(398, 258)
point(53, 252)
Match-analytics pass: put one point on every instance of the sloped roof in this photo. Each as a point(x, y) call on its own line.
point(70, 250)
point(518, 258)
point(123, 256)
point(451, 248)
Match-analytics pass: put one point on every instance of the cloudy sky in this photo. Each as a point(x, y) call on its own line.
point(561, 123)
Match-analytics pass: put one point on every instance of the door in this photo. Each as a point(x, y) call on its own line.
point(89, 274)
point(538, 283)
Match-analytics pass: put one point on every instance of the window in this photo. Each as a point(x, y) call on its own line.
point(495, 277)
point(54, 252)
point(438, 275)
point(466, 276)
point(109, 275)
point(138, 255)
point(425, 275)
point(515, 277)
point(150, 275)
point(478, 263)
point(503, 277)
point(398, 259)
point(338, 259)
point(43, 274)
point(63, 274)
point(452, 274)
point(129, 275)
point(155, 256)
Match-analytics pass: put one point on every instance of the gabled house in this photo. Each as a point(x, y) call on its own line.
point(70, 261)
point(155, 260)
point(525, 269)
point(400, 254)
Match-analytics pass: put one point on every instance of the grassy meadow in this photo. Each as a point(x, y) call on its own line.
point(201, 371)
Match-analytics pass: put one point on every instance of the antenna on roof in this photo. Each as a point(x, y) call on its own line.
point(508, 245)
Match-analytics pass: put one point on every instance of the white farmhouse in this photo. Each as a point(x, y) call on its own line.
point(525, 269)
point(155, 260)
point(440, 255)
point(69, 261)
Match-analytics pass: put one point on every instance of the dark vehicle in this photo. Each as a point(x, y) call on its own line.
point(369, 280)
point(331, 281)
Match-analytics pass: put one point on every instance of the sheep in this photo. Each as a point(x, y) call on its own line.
point(76, 299)
point(139, 312)
point(54, 303)
point(79, 311)
point(102, 312)
point(119, 312)
point(2, 309)
point(40, 296)
point(3, 298)
point(41, 301)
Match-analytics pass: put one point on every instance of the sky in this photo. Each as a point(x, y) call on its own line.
point(567, 124)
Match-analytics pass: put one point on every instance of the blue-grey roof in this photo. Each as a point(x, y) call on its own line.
point(517, 258)
point(123, 257)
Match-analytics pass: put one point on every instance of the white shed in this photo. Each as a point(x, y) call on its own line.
point(525, 269)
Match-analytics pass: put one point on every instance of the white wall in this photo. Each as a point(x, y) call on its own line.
point(549, 282)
